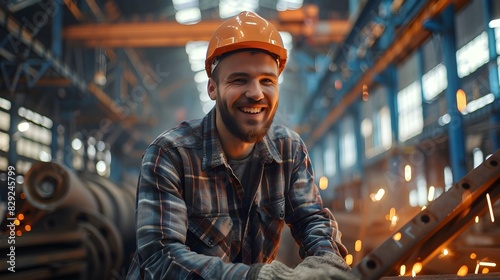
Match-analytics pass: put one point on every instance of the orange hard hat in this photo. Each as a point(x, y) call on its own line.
point(246, 30)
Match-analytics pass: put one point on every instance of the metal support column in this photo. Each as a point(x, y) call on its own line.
point(392, 98)
point(445, 25)
point(493, 71)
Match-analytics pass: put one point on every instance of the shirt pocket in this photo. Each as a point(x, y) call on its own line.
point(210, 230)
point(272, 211)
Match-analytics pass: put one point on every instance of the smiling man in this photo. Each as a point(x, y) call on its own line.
point(214, 194)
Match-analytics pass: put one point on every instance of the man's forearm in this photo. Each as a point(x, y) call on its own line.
point(176, 261)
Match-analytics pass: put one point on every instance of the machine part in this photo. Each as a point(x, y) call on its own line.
point(105, 202)
point(100, 260)
point(444, 218)
point(74, 270)
point(122, 203)
point(58, 200)
point(50, 185)
point(46, 254)
point(104, 240)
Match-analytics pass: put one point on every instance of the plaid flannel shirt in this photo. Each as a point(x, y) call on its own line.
point(189, 217)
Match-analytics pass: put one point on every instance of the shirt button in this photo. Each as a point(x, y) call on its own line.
point(210, 242)
point(282, 215)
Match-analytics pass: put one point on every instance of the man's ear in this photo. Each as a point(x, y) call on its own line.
point(212, 88)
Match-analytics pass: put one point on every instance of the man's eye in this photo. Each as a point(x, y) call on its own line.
point(238, 81)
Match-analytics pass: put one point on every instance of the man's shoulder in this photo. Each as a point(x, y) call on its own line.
point(186, 134)
point(279, 131)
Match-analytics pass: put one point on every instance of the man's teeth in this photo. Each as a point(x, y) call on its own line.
point(251, 110)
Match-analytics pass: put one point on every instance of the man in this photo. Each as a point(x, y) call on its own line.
point(214, 194)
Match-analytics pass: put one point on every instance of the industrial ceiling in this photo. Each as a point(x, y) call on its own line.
point(119, 70)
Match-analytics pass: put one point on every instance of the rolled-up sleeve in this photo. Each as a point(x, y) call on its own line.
point(162, 224)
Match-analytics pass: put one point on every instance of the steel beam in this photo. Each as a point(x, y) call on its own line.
point(163, 34)
point(20, 33)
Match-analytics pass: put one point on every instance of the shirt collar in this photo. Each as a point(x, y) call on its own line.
point(213, 155)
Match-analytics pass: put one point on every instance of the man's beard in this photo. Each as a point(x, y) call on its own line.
point(238, 130)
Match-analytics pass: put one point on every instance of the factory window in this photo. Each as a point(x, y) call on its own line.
point(4, 141)
point(3, 163)
point(376, 123)
point(410, 115)
point(4, 132)
point(472, 55)
point(409, 100)
point(35, 137)
point(377, 132)
point(330, 155)
point(434, 82)
point(348, 151)
point(4, 121)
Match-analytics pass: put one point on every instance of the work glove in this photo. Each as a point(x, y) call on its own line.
point(325, 267)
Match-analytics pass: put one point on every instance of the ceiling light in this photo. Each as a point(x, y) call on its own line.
point(229, 8)
point(494, 23)
point(284, 5)
point(188, 16)
point(184, 4)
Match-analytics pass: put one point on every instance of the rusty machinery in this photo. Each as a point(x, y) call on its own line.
point(71, 226)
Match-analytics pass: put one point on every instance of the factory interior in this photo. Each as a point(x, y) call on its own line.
point(397, 101)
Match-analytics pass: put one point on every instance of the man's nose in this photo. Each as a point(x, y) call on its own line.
point(254, 91)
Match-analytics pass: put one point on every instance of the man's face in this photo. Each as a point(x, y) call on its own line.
point(246, 92)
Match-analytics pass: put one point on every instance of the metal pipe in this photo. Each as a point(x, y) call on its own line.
point(50, 185)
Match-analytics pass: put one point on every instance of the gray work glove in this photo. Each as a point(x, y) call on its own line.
point(325, 267)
